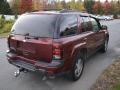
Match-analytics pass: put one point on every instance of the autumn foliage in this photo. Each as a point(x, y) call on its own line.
point(103, 8)
point(97, 7)
point(21, 6)
point(106, 7)
point(91, 6)
point(25, 5)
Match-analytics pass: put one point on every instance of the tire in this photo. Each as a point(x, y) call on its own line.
point(105, 46)
point(77, 68)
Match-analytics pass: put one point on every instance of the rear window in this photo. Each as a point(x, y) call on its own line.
point(35, 25)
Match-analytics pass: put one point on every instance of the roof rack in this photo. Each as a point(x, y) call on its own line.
point(67, 10)
point(47, 9)
point(60, 10)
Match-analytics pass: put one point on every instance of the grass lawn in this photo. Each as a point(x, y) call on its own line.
point(5, 27)
point(4, 35)
point(116, 86)
point(109, 79)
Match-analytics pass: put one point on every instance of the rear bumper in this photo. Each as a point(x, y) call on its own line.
point(53, 68)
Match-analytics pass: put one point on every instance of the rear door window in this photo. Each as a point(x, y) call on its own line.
point(81, 27)
point(68, 25)
point(95, 26)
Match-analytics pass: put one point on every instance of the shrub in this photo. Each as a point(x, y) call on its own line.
point(5, 25)
point(2, 22)
point(3, 17)
point(9, 21)
point(115, 16)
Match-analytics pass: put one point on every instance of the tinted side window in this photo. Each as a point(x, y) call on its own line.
point(81, 27)
point(94, 24)
point(87, 24)
point(68, 25)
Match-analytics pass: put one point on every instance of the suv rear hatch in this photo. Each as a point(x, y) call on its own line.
point(32, 36)
point(34, 49)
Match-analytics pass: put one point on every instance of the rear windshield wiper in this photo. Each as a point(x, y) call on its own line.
point(27, 36)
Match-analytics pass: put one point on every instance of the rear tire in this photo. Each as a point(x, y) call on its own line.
point(77, 68)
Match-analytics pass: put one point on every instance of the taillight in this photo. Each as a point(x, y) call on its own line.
point(8, 40)
point(57, 52)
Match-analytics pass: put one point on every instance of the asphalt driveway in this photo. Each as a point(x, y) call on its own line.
point(33, 81)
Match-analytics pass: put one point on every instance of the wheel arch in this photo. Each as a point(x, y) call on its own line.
point(82, 51)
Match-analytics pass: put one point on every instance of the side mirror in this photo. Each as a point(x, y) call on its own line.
point(104, 27)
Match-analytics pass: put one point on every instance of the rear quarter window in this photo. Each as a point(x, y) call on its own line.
point(95, 26)
point(68, 25)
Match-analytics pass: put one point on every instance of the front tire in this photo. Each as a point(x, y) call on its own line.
point(105, 46)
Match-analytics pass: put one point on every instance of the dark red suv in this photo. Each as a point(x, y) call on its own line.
point(55, 42)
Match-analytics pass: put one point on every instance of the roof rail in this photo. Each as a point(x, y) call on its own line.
point(67, 10)
point(53, 9)
point(60, 10)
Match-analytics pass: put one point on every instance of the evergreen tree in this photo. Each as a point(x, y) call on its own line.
point(4, 7)
point(88, 4)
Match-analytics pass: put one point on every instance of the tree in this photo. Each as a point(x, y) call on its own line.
point(106, 7)
point(77, 5)
point(97, 7)
point(52, 4)
point(88, 5)
point(15, 5)
point(118, 6)
point(113, 7)
point(80, 5)
point(72, 4)
point(64, 4)
point(37, 5)
point(4, 7)
point(25, 5)
point(59, 5)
